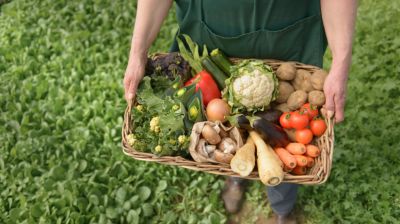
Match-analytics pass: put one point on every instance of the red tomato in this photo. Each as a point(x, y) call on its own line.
point(318, 127)
point(310, 110)
point(304, 136)
point(298, 120)
point(284, 120)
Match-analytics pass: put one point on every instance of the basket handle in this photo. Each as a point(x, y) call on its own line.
point(128, 117)
point(130, 103)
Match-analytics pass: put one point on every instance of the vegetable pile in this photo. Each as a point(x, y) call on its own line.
point(296, 87)
point(218, 104)
point(61, 64)
point(158, 119)
point(214, 142)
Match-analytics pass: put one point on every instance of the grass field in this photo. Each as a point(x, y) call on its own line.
point(61, 69)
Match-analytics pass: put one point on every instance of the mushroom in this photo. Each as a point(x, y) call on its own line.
point(227, 145)
point(210, 135)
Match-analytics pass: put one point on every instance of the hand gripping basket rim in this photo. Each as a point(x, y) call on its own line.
point(317, 175)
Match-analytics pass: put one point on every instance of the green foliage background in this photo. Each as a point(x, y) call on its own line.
point(61, 102)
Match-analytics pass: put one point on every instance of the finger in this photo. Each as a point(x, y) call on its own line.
point(127, 82)
point(339, 109)
point(131, 90)
point(330, 113)
point(324, 111)
point(329, 105)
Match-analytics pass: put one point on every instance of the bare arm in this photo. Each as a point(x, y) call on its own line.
point(339, 21)
point(150, 15)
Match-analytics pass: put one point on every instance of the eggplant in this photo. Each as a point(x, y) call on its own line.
point(270, 132)
point(270, 115)
point(240, 121)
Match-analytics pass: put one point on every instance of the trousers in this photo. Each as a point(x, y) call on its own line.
point(282, 197)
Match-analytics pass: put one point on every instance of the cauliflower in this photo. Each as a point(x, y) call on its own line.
point(182, 139)
point(155, 121)
point(139, 108)
point(131, 139)
point(176, 107)
point(158, 148)
point(251, 87)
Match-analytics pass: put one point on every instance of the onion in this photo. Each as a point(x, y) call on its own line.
point(217, 110)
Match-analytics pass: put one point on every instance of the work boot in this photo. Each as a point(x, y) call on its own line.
point(282, 219)
point(233, 194)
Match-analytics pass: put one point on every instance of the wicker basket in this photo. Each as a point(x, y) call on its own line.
point(317, 175)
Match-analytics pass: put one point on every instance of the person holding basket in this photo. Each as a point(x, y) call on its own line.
point(265, 29)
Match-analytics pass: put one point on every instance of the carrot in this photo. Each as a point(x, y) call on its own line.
point(312, 151)
point(299, 170)
point(287, 169)
point(310, 161)
point(296, 148)
point(301, 160)
point(287, 158)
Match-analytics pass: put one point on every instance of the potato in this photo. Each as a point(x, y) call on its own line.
point(303, 81)
point(318, 79)
point(286, 71)
point(282, 107)
point(316, 98)
point(297, 99)
point(284, 89)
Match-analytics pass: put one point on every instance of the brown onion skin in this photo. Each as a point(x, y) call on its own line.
point(217, 110)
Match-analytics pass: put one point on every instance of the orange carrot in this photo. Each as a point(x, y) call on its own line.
point(310, 161)
point(287, 158)
point(296, 148)
point(299, 170)
point(287, 169)
point(301, 160)
point(312, 151)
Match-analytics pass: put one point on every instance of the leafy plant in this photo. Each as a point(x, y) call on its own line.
point(158, 119)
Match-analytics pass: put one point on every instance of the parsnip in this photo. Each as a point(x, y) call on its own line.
point(269, 165)
point(244, 160)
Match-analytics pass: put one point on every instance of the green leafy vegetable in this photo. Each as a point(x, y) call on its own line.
point(158, 119)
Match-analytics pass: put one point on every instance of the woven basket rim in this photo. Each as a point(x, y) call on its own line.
point(317, 175)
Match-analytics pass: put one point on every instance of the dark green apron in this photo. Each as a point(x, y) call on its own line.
point(274, 29)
